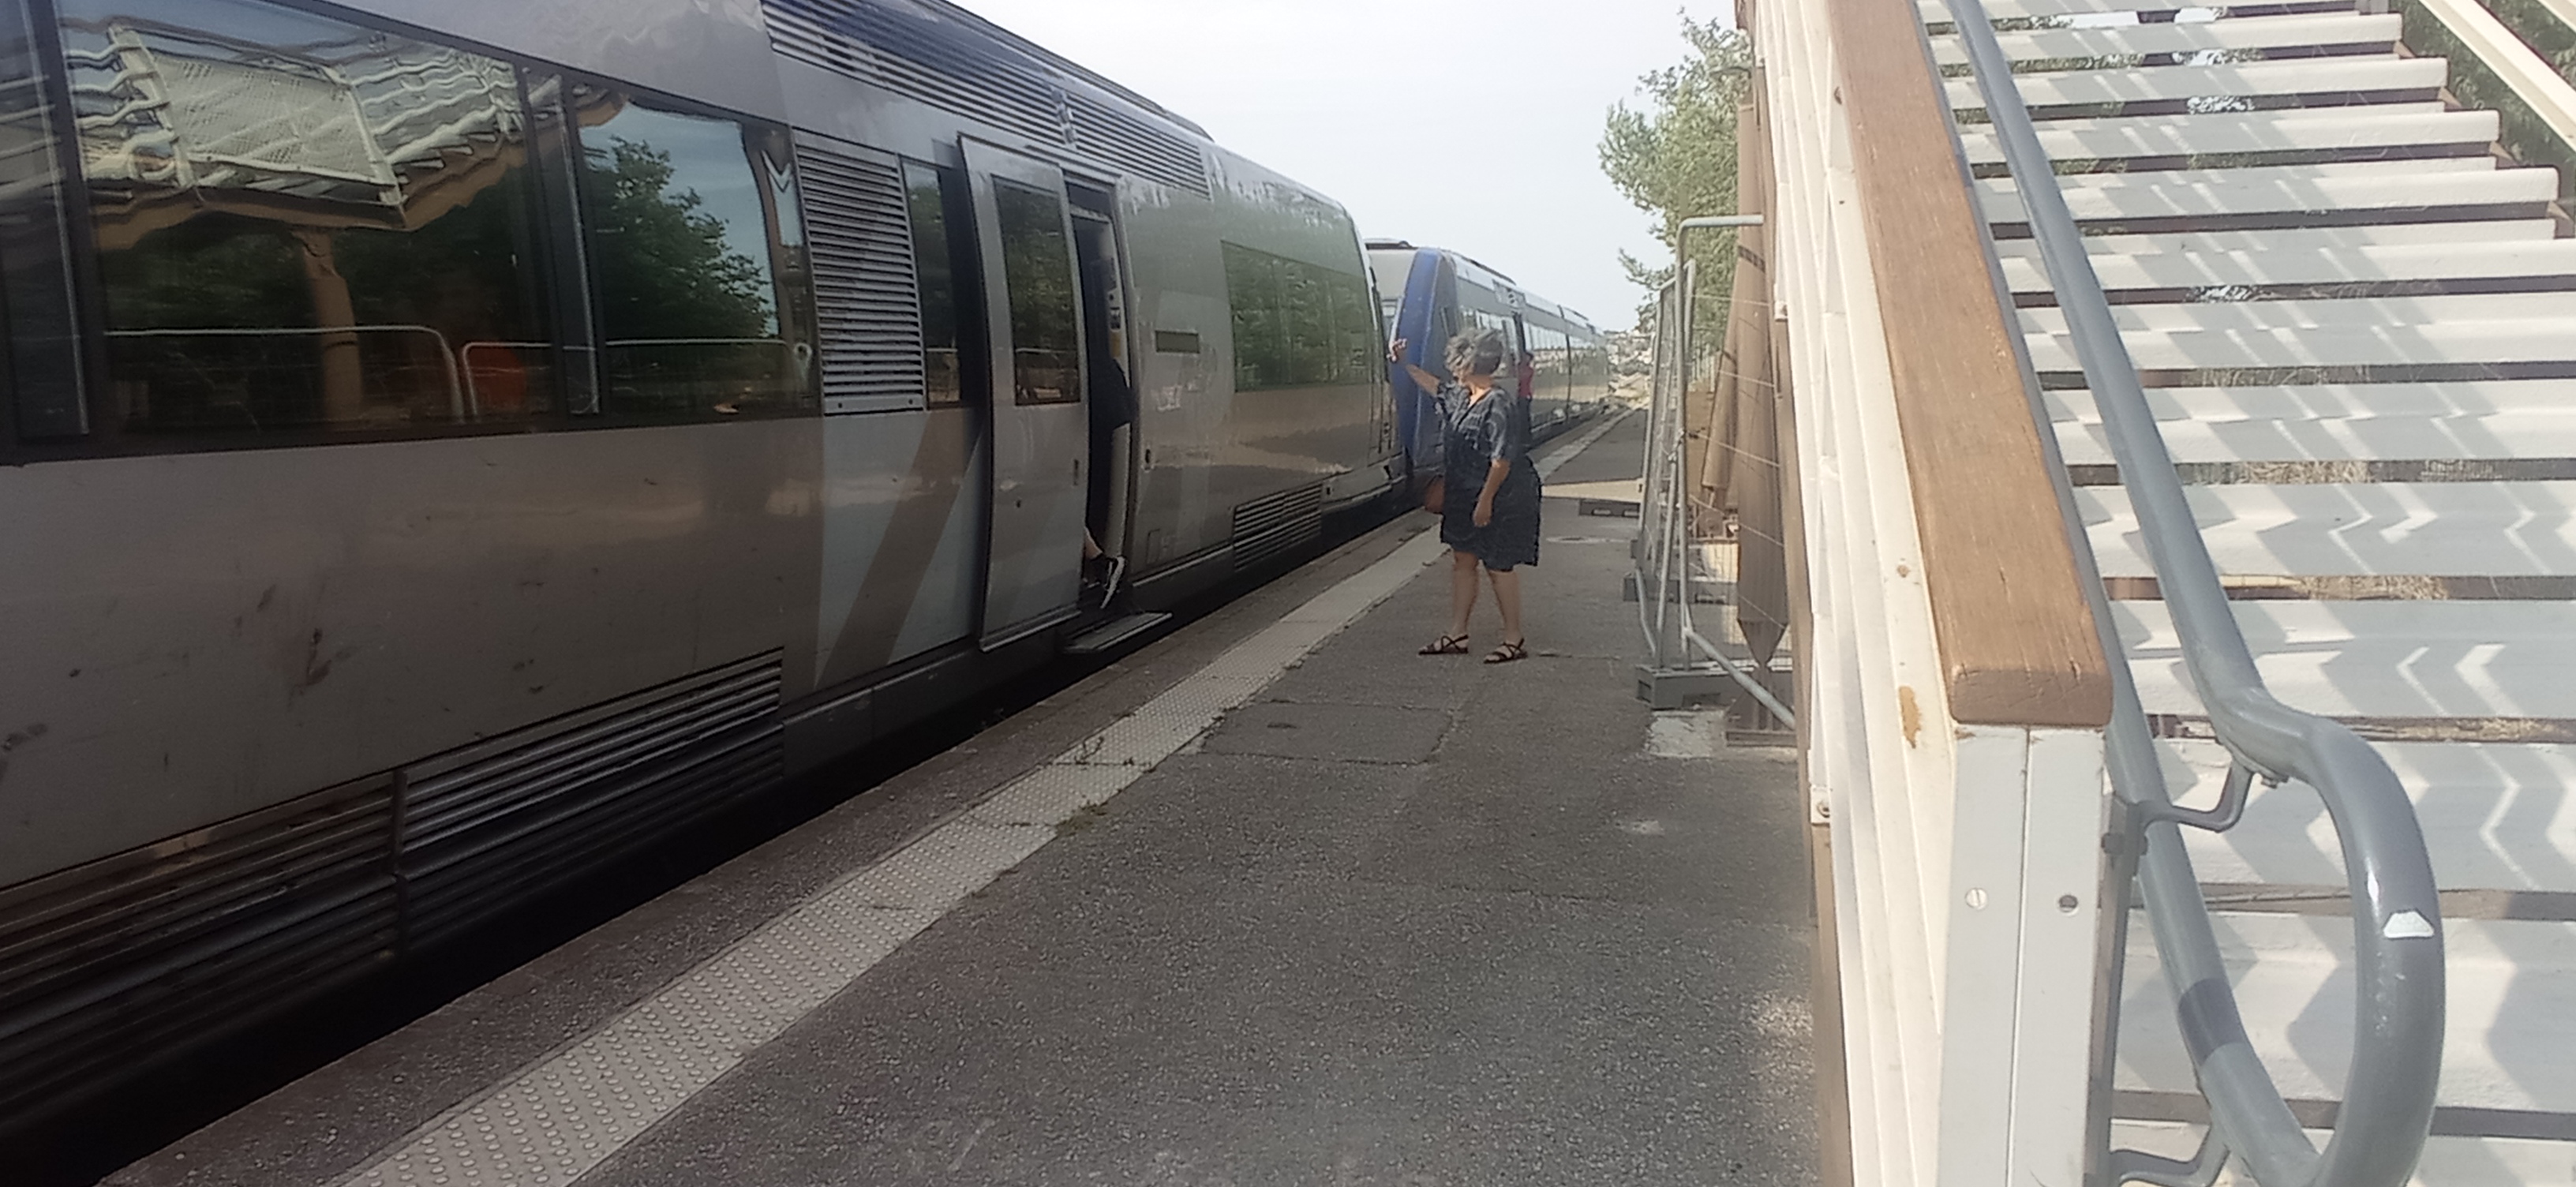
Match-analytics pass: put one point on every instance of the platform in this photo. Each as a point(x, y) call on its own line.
point(1271, 901)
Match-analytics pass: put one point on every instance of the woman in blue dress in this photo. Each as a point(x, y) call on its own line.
point(1489, 508)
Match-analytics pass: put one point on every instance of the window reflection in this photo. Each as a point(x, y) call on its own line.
point(1037, 267)
point(1297, 324)
point(303, 223)
point(681, 209)
point(934, 265)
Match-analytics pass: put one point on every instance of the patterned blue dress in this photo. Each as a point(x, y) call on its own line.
point(1474, 435)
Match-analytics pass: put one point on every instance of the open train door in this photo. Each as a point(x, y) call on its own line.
point(1041, 441)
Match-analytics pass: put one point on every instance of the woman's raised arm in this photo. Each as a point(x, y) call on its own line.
point(1395, 354)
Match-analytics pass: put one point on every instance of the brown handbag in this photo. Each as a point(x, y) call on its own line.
point(1435, 497)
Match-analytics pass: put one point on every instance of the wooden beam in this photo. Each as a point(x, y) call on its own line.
point(2016, 634)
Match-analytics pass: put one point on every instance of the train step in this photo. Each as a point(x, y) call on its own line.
point(1114, 632)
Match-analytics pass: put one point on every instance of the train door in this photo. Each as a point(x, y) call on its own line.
point(1523, 382)
point(1524, 375)
point(1041, 448)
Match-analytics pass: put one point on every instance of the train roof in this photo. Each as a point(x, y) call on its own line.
point(994, 37)
point(1490, 276)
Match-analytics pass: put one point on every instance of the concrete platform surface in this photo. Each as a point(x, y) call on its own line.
point(1273, 901)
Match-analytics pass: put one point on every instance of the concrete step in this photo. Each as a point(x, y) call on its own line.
point(2404, 351)
point(2242, 138)
point(2448, 1161)
point(2115, 47)
point(2406, 661)
point(2485, 419)
point(2320, 82)
point(2431, 190)
point(1114, 632)
point(2496, 816)
point(2500, 264)
point(1934, 12)
point(2512, 1011)
point(2337, 529)
point(2302, 240)
point(2390, 313)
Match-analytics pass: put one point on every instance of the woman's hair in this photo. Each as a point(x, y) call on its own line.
point(1479, 353)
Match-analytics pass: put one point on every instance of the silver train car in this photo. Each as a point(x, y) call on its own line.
point(1428, 295)
point(453, 442)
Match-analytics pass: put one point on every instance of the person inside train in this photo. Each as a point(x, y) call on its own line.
point(1489, 500)
point(1113, 407)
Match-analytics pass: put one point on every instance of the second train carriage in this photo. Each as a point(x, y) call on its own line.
point(453, 441)
point(1428, 295)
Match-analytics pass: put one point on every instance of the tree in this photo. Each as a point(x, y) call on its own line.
point(1676, 160)
point(665, 268)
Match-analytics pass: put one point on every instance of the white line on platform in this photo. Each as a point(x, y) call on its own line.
point(568, 1112)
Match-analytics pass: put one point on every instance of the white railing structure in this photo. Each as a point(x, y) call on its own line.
point(1682, 663)
point(1953, 688)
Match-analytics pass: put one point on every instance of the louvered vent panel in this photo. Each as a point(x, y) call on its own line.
point(110, 963)
point(115, 961)
point(914, 53)
point(910, 55)
point(1136, 146)
point(867, 296)
point(1273, 525)
point(489, 825)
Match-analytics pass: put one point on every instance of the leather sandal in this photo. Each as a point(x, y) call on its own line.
point(1446, 645)
point(1507, 653)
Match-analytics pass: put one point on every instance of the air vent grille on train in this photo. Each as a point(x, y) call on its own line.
point(866, 293)
point(493, 823)
point(910, 56)
point(108, 964)
point(914, 52)
point(1273, 525)
point(1136, 146)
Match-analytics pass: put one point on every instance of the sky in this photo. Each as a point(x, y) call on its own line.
point(1373, 101)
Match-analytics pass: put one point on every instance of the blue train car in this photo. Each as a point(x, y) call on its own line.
point(1429, 295)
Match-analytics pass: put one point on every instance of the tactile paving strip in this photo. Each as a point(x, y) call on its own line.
point(1052, 793)
point(566, 1114)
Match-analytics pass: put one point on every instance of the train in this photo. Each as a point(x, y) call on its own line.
point(452, 444)
point(1428, 295)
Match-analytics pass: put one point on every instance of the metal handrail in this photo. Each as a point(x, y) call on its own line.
point(2398, 1022)
point(446, 357)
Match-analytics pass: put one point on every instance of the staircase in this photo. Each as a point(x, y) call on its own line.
point(2356, 323)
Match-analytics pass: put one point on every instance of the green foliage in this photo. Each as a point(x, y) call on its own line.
point(2540, 29)
point(216, 269)
point(461, 273)
point(665, 270)
point(2525, 134)
point(1298, 324)
point(1676, 160)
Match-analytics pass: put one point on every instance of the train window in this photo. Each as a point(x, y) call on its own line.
point(1297, 324)
point(301, 223)
point(1359, 351)
point(929, 193)
point(697, 244)
point(42, 362)
point(1037, 270)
